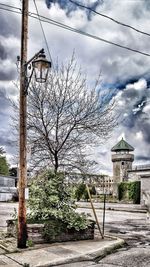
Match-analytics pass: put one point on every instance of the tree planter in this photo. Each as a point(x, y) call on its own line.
point(36, 233)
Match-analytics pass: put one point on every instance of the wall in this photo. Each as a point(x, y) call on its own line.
point(145, 190)
point(7, 188)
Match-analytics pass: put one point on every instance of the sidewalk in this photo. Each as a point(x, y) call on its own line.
point(60, 253)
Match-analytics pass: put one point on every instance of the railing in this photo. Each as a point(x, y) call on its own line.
point(141, 167)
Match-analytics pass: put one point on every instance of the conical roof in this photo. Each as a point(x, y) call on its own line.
point(122, 145)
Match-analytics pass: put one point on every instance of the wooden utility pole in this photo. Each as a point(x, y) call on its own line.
point(22, 228)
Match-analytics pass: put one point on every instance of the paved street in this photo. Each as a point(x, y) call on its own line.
point(112, 216)
point(133, 227)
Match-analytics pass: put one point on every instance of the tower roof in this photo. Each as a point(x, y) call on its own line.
point(122, 145)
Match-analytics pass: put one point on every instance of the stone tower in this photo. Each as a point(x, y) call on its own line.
point(122, 162)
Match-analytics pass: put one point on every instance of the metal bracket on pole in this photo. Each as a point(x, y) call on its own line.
point(28, 79)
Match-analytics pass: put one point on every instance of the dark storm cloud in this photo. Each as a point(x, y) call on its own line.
point(145, 127)
point(5, 140)
point(129, 122)
point(4, 102)
point(69, 6)
point(7, 75)
point(3, 54)
point(9, 25)
point(143, 158)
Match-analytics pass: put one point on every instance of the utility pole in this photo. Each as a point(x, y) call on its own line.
point(22, 228)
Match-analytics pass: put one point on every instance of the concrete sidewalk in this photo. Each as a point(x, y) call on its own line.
point(61, 253)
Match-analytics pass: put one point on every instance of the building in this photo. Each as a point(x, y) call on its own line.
point(123, 170)
point(8, 188)
point(122, 162)
point(142, 173)
point(102, 183)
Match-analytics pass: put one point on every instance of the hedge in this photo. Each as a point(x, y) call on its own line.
point(130, 191)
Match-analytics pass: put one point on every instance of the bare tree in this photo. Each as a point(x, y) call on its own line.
point(2, 151)
point(65, 117)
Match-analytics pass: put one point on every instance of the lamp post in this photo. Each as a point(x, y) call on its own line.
point(39, 67)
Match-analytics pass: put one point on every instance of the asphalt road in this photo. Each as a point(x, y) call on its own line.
point(134, 228)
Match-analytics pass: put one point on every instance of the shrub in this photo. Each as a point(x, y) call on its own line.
point(130, 190)
point(122, 190)
point(50, 200)
point(81, 192)
point(134, 191)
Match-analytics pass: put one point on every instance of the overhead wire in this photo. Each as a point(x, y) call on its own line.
point(64, 26)
point(13, 11)
point(50, 57)
point(10, 6)
point(110, 18)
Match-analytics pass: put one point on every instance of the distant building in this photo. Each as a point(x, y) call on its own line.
point(142, 173)
point(124, 171)
point(102, 183)
point(122, 162)
point(7, 188)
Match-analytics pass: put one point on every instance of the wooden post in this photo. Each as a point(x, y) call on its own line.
point(94, 212)
point(104, 208)
point(22, 229)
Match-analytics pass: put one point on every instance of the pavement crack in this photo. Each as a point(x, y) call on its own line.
point(108, 263)
point(6, 255)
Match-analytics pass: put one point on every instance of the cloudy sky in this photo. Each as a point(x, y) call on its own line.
point(123, 71)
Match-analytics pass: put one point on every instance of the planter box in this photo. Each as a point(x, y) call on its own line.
point(35, 233)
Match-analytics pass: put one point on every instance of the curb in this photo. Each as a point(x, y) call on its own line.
point(92, 256)
point(101, 253)
point(114, 209)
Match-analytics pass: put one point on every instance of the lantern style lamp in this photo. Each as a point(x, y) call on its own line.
point(41, 67)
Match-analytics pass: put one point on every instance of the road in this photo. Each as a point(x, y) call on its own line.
point(133, 227)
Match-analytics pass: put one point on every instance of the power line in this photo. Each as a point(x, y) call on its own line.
point(9, 6)
point(64, 26)
point(110, 18)
point(43, 31)
point(13, 11)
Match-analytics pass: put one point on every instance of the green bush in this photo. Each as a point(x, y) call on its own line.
point(81, 192)
point(50, 200)
point(129, 190)
point(134, 189)
point(122, 190)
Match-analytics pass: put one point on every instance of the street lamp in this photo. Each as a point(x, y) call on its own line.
point(39, 66)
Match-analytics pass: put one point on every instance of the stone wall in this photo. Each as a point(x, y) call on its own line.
point(145, 191)
point(35, 233)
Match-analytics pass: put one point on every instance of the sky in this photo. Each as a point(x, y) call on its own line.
point(124, 72)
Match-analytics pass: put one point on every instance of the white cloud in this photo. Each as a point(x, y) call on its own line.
point(139, 136)
point(139, 85)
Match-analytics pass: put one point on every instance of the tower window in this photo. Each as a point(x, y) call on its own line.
point(122, 163)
